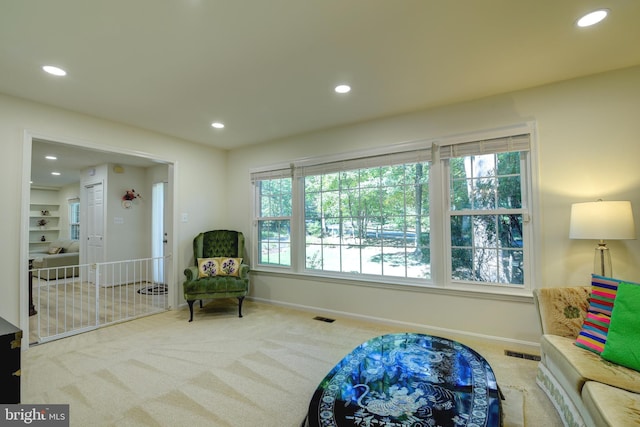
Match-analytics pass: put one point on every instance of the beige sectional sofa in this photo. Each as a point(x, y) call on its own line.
point(51, 265)
point(585, 389)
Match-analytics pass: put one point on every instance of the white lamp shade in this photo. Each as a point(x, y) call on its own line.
point(602, 220)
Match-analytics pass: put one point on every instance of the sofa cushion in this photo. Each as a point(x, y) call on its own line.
point(578, 365)
point(66, 245)
point(623, 346)
point(74, 246)
point(54, 250)
point(611, 406)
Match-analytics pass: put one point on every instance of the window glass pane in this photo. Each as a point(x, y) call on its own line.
point(331, 258)
point(508, 163)
point(477, 253)
point(510, 230)
point(461, 264)
point(349, 179)
point(460, 194)
point(461, 230)
point(509, 193)
point(312, 206)
point(331, 204)
point(330, 182)
point(372, 259)
point(481, 166)
point(274, 241)
point(484, 193)
point(312, 182)
point(313, 257)
point(511, 267)
point(350, 203)
point(370, 178)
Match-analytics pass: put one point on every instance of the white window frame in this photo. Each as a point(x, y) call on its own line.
point(524, 210)
point(71, 203)
point(274, 172)
point(440, 230)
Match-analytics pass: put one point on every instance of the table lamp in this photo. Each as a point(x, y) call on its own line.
point(602, 220)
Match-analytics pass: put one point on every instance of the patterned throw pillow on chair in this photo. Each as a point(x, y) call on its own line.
point(229, 266)
point(208, 267)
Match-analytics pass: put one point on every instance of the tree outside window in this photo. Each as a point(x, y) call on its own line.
point(461, 221)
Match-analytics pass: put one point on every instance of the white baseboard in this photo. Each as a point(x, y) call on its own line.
point(432, 330)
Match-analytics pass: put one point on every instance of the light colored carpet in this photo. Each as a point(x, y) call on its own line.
point(221, 370)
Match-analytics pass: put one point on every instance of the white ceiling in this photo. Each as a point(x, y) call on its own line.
point(70, 161)
point(267, 68)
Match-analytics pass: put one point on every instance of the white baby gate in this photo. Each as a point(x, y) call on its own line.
point(74, 299)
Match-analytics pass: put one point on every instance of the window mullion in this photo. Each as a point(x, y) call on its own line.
point(440, 243)
point(297, 223)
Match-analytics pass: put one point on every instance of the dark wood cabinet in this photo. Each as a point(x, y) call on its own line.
point(10, 339)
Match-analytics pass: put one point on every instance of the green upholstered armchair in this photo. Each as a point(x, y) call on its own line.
point(216, 244)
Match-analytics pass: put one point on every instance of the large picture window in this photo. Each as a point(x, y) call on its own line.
point(369, 221)
point(446, 214)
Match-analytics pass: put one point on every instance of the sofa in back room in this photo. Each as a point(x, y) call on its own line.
point(58, 260)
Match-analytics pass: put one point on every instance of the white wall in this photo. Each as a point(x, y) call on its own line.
point(588, 148)
point(127, 235)
point(196, 168)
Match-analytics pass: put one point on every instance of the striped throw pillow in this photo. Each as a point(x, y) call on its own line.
point(593, 335)
point(603, 294)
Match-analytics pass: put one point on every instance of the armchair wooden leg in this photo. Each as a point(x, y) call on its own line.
point(240, 300)
point(191, 309)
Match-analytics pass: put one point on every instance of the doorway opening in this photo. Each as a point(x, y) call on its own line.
point(123, 233)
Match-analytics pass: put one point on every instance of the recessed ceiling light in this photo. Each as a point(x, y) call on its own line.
point(51, 157)
point(54, 70)
point(343, 88)
point(55, 173)
point(217, 125)
point(592, 18)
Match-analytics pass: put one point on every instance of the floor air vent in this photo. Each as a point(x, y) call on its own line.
point(324, 319)
point(521, 355)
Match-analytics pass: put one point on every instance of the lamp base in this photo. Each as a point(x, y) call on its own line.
point(602, 261)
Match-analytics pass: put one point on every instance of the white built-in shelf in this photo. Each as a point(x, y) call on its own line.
point(51, 231)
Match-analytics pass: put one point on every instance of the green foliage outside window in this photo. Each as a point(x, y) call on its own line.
point(369, 221)
point(486, 246)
